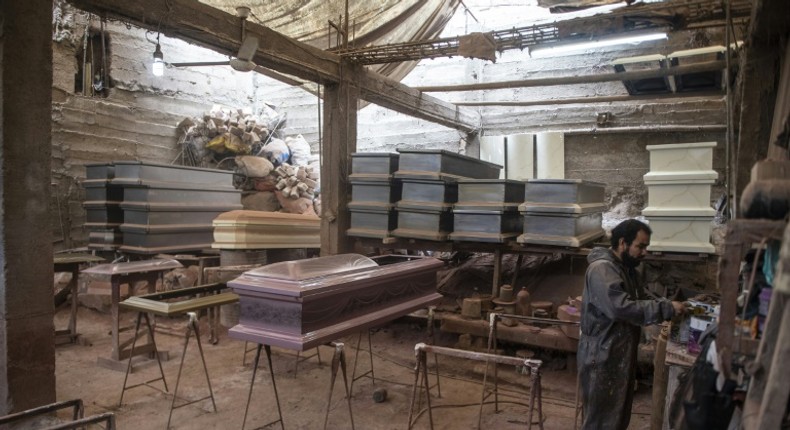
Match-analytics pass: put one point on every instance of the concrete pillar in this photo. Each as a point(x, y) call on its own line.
point(27, 352)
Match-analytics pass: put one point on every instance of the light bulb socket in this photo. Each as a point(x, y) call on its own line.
point(158, 53)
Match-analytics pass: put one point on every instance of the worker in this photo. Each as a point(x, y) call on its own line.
point(614, 307)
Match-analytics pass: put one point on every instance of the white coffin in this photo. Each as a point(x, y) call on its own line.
point(678, 195)
point(681, 157)
point(680, 233)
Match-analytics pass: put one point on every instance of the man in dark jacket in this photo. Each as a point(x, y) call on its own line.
point(614, 307)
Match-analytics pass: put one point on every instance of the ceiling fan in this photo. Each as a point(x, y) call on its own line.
point(243, 60)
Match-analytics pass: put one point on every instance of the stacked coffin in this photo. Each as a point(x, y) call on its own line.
point(679, 210)
point(171, 208)
point(562, 212)
point(254, 230)
point(374, 192)
point(430, 188)
point(103, 213)
point(487, 210)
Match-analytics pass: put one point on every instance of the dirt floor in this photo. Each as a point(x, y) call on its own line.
point(304, 391)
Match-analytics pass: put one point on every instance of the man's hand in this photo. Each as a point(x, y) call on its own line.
point(679, 308)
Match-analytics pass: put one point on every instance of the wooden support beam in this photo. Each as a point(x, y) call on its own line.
point(580, 79)
point(340, 140)
point(393, 95)
point(759, 71)
point(214, 29)
point(708, 95)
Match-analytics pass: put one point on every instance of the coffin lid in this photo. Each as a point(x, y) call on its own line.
point(298, 270)
point(688, 177)
point(240, 217)
point(449, 154)
point(133, 267)
point(681, 145)
point(565, 181)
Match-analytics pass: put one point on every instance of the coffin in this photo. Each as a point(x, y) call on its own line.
point(157, 239)
point(376, 195)
point(171, 193)
point(681, 157)
point(242, 229)
point(373, 165)
point(377, 224)
point(102, 214)
point(135, 172)
point(428, 195)
point(104, 239)
point(305, 303)
point(680, 233)
point(489, 194)
point(486, 226)
point(443, 165)
point(102, 190)
point(558, 192)
point(689, 195)
point(425, 224)
point(99, 171)
point(562, 229)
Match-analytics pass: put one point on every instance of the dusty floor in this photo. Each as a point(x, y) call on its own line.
point(303, 394)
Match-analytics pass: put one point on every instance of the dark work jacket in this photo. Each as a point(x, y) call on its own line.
point(614, 307)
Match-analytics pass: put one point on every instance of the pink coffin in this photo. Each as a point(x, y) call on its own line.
point(305, 303)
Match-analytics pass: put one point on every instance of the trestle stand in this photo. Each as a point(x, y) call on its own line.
point(338, 362)
point(421, 370)
point(140, 315)
point(191, 326)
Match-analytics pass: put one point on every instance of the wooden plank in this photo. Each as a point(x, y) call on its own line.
point(581, 79)
point(340, 140)
point(393, 95)
point(211, 28)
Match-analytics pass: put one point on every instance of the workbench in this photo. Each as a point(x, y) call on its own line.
point(128, 273)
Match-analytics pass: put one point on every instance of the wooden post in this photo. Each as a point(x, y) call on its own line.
point(339, 141)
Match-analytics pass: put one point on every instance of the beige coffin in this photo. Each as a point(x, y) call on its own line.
point(265, 230)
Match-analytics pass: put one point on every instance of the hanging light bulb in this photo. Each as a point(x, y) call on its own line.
point(159, 61)
point(158, 66)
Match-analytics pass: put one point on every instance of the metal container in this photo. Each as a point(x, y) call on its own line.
point(375, 195)
point(303, 304)
point(422, 194)
point(372, 223)
point(561, 229)
point(373, 165)
point(486, 226)
point(424, 224)
point(443, 165)
point(489, 194)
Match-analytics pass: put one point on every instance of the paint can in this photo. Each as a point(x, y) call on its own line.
point(697, 325)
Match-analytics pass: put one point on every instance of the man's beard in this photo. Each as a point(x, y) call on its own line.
point(629, 261)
